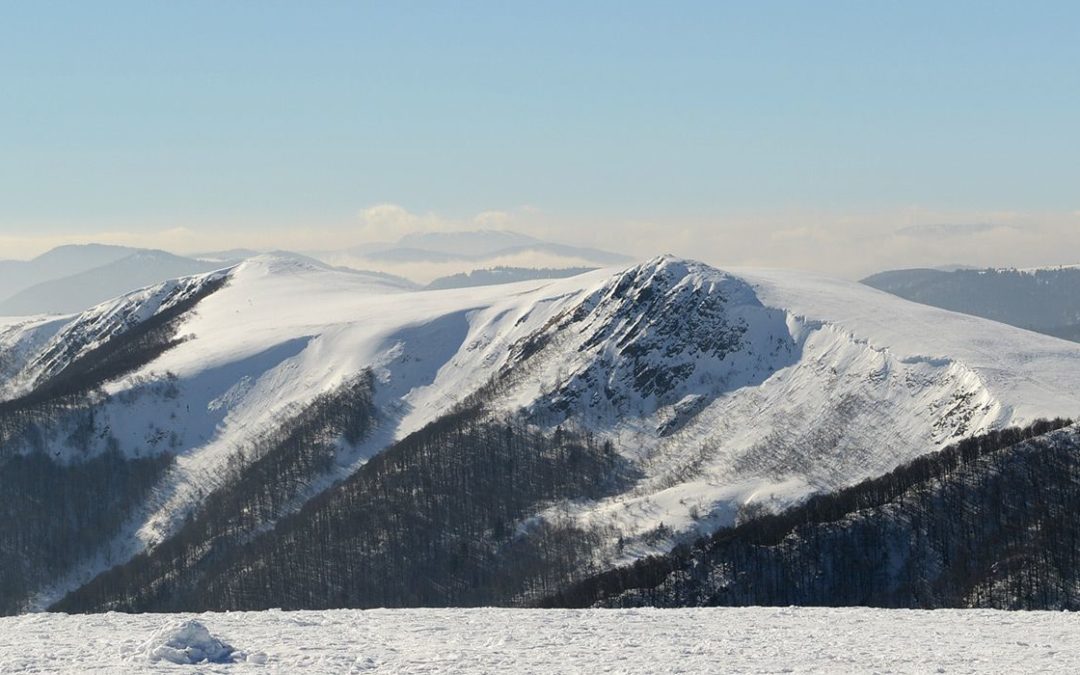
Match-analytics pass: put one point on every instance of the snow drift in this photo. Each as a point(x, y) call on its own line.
point(189, 642)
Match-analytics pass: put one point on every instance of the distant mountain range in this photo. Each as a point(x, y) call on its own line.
point(424, 257)
point(1046, 300)
point(478, 246)
point(66, 292)
point(71, 278)
point(503, 275)
point(16, 275)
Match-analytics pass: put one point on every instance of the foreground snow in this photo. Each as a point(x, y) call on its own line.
point(492, 641)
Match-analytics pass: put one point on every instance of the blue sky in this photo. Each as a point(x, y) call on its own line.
point(646, 124)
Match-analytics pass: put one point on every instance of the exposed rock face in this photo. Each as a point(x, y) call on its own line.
point(658, 333)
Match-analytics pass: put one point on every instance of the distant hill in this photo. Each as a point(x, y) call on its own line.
point(471, 244)
point(503, 275)
point(74, 292)
point(1044, 300)
point(233, 254)
point(423, 248)
point(428, 256)
point(16, 275)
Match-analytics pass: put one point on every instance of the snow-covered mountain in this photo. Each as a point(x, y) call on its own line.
point(722, 390)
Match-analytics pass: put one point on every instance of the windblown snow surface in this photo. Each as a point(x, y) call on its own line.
point(754, 387)
point(751, 640)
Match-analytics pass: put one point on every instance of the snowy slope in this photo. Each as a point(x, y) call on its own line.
point(758, 640)
point(78, 336)
point(1027, 372)
point(756, 387)
point(20, 340)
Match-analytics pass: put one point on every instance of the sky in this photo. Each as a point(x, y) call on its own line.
point(846, 137)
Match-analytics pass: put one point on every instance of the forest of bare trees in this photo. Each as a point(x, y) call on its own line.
point(438, 519)
point(989, 522)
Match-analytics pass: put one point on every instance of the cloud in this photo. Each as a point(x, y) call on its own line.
point(799, 233)
point(386, 214)
point(170, 239)
point(425, 272)
point(493, 220)
point(389, 222)
point(856, 245)
point(843, 244)
point(952, 229)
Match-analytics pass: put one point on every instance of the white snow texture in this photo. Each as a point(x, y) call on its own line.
point(751, 640)
point(188, 642)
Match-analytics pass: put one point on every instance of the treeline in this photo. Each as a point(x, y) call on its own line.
point(53, 517)
point(264, 481)
point(441, 518)
point(993, 521)
point(121, 354)
point(76, 388)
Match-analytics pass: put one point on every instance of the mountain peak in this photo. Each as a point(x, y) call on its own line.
point(661, 331)
point(281, 262)
point(667, 272)
point(95, 251)
point(670, 265)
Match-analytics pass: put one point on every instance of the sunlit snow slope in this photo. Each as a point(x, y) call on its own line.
point(727, 390)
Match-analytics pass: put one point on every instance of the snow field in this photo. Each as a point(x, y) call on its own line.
point(750, 640)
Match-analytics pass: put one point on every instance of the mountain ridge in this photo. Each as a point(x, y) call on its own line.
point(1039, 299)
point(780, 387)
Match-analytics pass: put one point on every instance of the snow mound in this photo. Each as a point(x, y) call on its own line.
point(190, 643)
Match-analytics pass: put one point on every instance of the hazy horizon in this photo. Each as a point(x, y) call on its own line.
point(857, 252)
point(845, 138)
